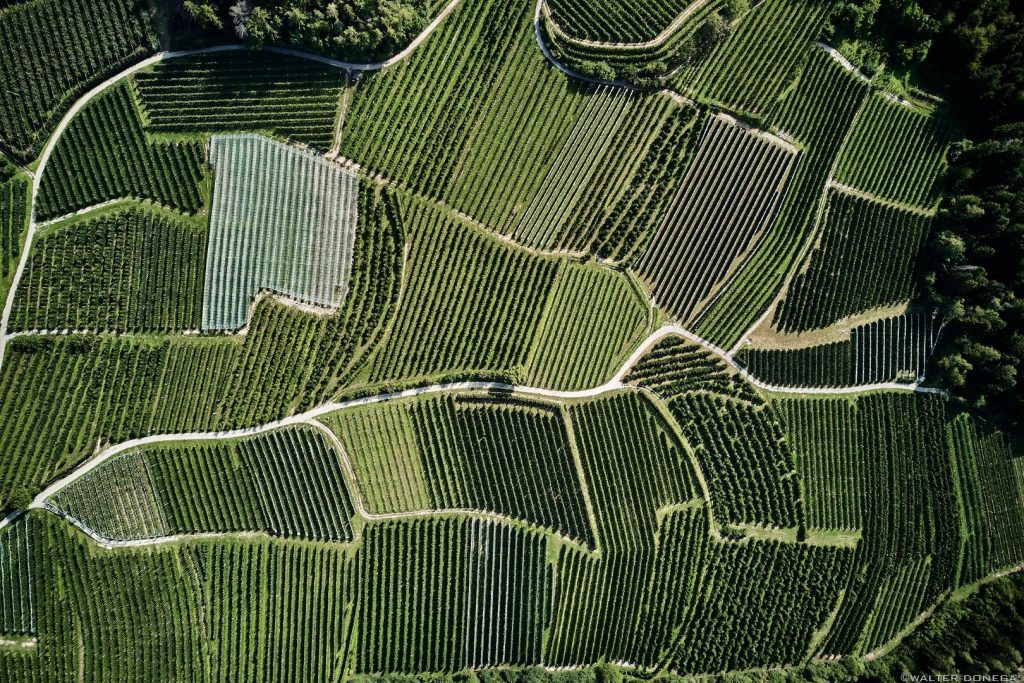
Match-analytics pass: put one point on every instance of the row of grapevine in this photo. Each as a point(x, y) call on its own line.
point(104, 154)
point(287, 483)
point(896, 152)
point(726, 201)
point(593, 317)
point(633, 465)
point(381, 442)
point(818, 113)
point(758, 60)
point(116, 501)
point(901, 598)
point(895, 349)
point(19, 584)
point(464, 452)
point(51, 51)
point(277, 611)
point(748, 465)
point(990, 483)
point(282, 219)
point(470, 302)
point(13, 215)
point(290, 479)
point(866, 259)
point(475, 118)
point(909, 513)
point(598, 605)
point(614, 20)
point(626, 218)
point(625, 604)
point(675, 366)
point(758, 605)
point(825, 437)
point(448, 593)
point(137, 615)
point(542, 223)
point(242, 90)
point(128, 270)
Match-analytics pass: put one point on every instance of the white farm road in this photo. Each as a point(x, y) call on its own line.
point(309, 417)
point(44, 158)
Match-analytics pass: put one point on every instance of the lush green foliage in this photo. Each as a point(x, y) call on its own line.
point(629, 217)
point(794, 586)
point(594, 317)
point(867, 257)
point(637, 474)
point(825, 438)
point(685, 523)
point(633, 464)
point(903, 440)
point(451, 453)
point(19, 578)
point(754, 65)
point(128, 270)
point(104, 155)
point(346, 29)
point(749, 468)
point(225, 92)
point(476, 119)
point(51, 51)
point(681, 42)
point(469, 302)
point(616, 21)
point(895, 152)
point(13, 216)
point(484, 598)
point(975, 279)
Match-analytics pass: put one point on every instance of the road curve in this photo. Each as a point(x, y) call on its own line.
point(310, 416)
point(44, 157)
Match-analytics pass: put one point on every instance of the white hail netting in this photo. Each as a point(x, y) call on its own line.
point(117, 501)
point(17, 612)
point(282, 219)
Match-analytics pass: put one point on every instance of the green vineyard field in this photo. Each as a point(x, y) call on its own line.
point(569, 342)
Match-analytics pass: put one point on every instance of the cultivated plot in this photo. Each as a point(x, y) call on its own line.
point(282, 220)
point(729, 196)
point(893, 349)
point(287, 482)
point(865, 259)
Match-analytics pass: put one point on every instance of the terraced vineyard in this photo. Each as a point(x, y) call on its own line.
point(574, 343)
